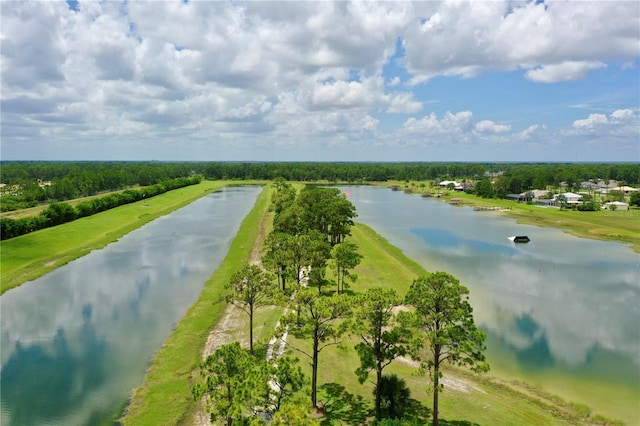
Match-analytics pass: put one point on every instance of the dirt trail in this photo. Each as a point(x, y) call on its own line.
point(231, 320)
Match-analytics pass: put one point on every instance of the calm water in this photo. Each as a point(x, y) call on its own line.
point(75, 342)
point(561, 311)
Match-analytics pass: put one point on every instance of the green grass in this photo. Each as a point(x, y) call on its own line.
point(33, 211)
point(29, 256)
point(165, 396)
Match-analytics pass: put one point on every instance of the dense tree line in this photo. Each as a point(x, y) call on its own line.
point(517, 179)
point(59, 213)
point(31, 183)
point(529, 174)
point(88, 178)
point(240, 387)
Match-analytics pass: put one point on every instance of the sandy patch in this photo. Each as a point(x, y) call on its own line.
point(452, 383)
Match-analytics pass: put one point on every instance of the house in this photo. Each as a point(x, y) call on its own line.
point(528, 196)
point(626, 190)
point(456, 186)
point(588, 185)
point(605, 187)
point(521, 198)
point(615, 205)
point(570, 198)
point(540, 193)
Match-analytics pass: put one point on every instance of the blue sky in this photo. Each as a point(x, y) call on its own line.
point(321, 81)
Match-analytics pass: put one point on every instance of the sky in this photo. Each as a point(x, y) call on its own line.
point(486, 81)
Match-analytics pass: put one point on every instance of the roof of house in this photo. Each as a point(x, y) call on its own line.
point(571, 195)
point(612, 184)
point(625, 188)
point(616, 203)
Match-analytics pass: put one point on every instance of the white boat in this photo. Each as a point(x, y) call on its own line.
point(519, 239)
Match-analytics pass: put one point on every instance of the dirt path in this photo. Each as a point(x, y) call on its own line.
point(232, 318)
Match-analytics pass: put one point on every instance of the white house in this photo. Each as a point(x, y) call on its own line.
point(570, 198)
point(615, 205)
point(457, 186)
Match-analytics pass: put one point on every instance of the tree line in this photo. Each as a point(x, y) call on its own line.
point(76, 179)
point(59, 213)
point(32, 183)
point(310, 235)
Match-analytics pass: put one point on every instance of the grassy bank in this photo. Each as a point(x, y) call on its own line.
point(618, 226)
point(29, 256)
point(165, 396)
point(468, 398)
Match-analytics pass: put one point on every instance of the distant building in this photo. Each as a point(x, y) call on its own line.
point(457, 186)
point(571, 198)
point(588, 185)
point(615, 205)
point(627, 190)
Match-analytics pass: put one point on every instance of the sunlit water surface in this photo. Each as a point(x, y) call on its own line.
point(75, 342)
point(561, 312)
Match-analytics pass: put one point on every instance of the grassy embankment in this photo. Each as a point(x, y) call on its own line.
point(29, 256)
point(618, 226)
point(33, 211)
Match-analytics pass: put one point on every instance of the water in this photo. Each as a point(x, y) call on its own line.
point(75, 342)
point(561, 312)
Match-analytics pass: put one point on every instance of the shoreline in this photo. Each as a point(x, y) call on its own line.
point(30, 256)
point(592, 225)
point(162, 397)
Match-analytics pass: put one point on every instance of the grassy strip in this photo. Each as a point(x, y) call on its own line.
point(606, 225)
point(30, 256)
point(165, 397)
point(32, 211)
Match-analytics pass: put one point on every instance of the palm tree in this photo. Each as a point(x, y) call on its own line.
point(395, 396)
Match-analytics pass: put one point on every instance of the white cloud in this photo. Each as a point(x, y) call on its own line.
point(214, 73)
point(347, 94)
point(590, 122)
point(450, 124)
point(569, 70)
point(404, 103)
point(532, 131)
point(488, 126)
point(620, 123)
point(554, 41)
point(395, 81)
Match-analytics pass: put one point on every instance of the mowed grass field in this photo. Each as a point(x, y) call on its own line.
point(29, 256)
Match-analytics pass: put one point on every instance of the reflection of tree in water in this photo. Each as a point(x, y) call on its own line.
point(36, 372)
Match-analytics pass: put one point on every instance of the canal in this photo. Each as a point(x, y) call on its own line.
point(560, 312)
point(77, 341)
